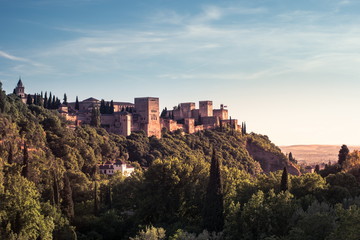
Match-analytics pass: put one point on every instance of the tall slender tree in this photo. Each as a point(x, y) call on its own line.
point(111, 110)
point(96, 200)
point(343, 153)
point(67, 199)
point(56, 190)
point(65, 99)
point(317, 168)
point(95, 117)
point(213, 216)
point(25, 169)
point(77, 106)
point(10, 154)
point(102, 106)
point(284, 185)
point(29, 100)
point(45, 100)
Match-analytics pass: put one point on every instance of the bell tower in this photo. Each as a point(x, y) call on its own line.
point(20, 89)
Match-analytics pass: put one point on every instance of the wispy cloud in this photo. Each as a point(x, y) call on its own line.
point(12, 57)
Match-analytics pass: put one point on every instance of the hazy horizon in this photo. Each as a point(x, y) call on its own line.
point(289, 70)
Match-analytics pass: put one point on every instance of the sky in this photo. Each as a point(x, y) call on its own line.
point(290, 69)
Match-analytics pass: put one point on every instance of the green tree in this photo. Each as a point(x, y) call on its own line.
point(67, 198)
point(111, 110)
point(65, 102)
point(77, 106)
point(343, 153)
point(21, 213)
point(2, 99)
point(95, 117)
point(284, 180)
point(25, 169)
point(29, 100)
point(150, 233)
point(214, 205)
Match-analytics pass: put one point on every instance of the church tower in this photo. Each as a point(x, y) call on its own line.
point(20, 89)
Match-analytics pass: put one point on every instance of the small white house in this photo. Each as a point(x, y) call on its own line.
point(110, 168)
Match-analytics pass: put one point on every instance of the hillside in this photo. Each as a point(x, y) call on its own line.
point(315, 153)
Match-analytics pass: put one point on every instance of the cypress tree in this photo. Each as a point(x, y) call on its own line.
point(96, 201)
point(95, 117)
point(36, 99)
point(317, 168)
point(45, 100)
point(102, 106)
point(107, 108)
point(77, 107)
point(49, 102)
point(53, 103)
point(108, 197)
point(343, 153)
point(56, 190)
point(25, 170)
point(29, 100)
point(245, 128)
point(213, 216)
point(111, 111)
point(284, 181)
point(65, 99)
point(10, 155)
point(67, 203)
point(291, 158)
point(2, 99)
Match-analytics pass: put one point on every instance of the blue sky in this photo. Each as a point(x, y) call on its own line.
point(290, 69)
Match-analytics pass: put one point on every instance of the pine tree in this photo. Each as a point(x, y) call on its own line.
point(67, 203)
point(25, 170)
point(213, 216)
point(284, 181)
point(343, 153)
point(65, 100)
point(77, 107)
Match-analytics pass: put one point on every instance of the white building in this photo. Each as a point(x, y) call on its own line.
point(110, 168)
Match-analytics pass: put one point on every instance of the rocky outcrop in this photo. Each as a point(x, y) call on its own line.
point(270, 160)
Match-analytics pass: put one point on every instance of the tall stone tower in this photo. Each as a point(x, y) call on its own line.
point(20, 89)
point(148, 109)
point(206, 108)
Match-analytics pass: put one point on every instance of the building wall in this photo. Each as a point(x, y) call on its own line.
point(148, 109)
point(189, 125)
point(206, 108)
point(186, 109)
point(221, 113)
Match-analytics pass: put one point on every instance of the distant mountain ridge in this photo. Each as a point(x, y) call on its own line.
point(315, 153)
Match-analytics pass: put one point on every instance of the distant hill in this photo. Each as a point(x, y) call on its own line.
point(315, 153)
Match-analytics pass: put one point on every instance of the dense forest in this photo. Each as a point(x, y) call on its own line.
point(215, 184)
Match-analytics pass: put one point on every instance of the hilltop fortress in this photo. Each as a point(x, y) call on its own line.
point(142, 115)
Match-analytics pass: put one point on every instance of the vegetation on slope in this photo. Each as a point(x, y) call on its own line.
point(50, 187)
